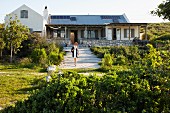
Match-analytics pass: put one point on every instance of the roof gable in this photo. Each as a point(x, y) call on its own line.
point(26, 7)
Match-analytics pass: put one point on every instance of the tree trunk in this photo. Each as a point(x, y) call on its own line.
point(11, 53)
point(1, 54)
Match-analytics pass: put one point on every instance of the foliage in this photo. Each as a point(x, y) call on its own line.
point(119, 55)
point(163, 10)
point(2, 42)
point(39, 56)
point(2, 45)
point(107, 61)
point(148, 36)
point(153, 59)
point(142, 88)
point(114, 92)
point(14, 34)
point(34, 41)
point(164, 37)
point(121, 60)
point(158, 29)
point(26, 63)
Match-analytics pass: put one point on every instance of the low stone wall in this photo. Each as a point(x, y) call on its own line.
point(106, 42)
point(94, 42)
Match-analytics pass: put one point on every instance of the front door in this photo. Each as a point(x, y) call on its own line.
point(114, 34)
point(73, 36)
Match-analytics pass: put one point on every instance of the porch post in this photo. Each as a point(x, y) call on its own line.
point(86, 33)
point(138, 31)
point(129, 32)
point(47, 32)
point(106, 32)
point(146, 33)
point(65, 32)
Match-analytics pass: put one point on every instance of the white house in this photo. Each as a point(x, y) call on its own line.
point(79, 28)
point(33, 20)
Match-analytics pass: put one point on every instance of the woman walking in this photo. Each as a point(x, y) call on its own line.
point(75, 52)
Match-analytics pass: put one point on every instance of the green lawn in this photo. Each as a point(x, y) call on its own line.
point(17, 84)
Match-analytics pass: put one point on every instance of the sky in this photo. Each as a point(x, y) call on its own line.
point(137, 11)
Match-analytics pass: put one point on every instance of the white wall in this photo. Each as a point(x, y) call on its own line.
point(127, 27)
point(34, 20)
point(122, 31)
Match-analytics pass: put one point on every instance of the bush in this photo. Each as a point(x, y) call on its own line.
point(112, 93)
point(39, 56)
point(149, 36)
point(55, 58)
point(164, 37)
point(26, 63)
point(107, 61)
point(121, 60)
point(121, 50)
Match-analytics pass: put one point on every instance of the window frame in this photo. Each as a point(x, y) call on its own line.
point(24, 14)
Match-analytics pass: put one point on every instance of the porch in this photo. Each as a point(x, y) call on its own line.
point(95, 35)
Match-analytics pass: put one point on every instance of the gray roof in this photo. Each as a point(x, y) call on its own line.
point(87, 19)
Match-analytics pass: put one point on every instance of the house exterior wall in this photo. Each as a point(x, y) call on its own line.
point(120, 34)
point(34, 21)
point(131, 27)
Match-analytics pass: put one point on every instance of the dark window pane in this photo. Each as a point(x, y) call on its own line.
point(24, 13)
point(132, 33)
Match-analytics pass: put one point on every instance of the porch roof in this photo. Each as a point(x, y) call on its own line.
point(72, 25)
point(128, 24)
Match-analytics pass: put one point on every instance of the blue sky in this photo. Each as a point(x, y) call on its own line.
point(136, 10)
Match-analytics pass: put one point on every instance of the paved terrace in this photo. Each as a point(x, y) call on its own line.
point(86, 59)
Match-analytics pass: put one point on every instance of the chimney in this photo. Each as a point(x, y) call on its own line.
point(45, 13)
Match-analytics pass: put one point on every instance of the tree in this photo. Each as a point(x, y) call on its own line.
point(14, 34)
point(163, 10)
point(2, 43)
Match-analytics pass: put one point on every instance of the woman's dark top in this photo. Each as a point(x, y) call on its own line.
point(72, 50)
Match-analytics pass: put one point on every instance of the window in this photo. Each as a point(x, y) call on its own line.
point(24, 13)
point(91, 34)
point(103, 32)
point(59, 34)
point(62, 34)
point(132, 33)
point(82, 33)
point(126, 33)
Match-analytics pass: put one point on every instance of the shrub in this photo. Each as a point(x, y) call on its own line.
point(121, 60)
point(55, 58)
point(149, 36)
point(107, 61)
point(121, 50)
point(112, 93)
point(39, 56)
point(164, 37)
point(26, 63)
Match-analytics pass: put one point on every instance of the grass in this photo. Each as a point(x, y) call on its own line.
point(17, 83)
